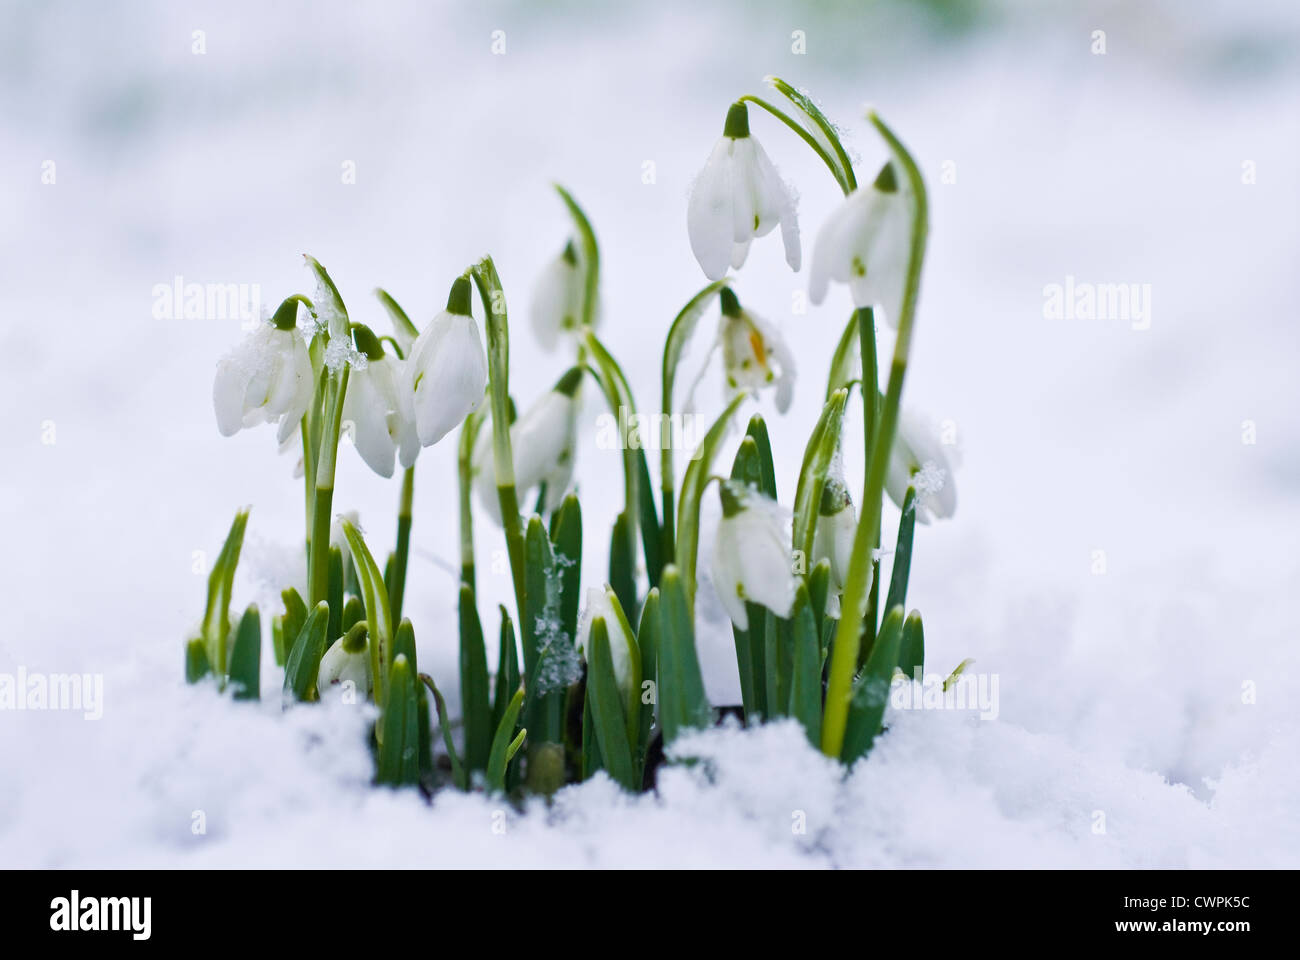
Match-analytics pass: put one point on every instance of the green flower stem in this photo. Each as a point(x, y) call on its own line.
point(679, 334)
point(814, 113)
point(498, 338)
point(844, 655)
point(308, 481)
point(618, 393)
point(870, 416)
point(322, 505)
point(465, 483)
point(398, 587)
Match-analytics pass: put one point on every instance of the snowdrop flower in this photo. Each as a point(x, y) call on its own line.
point(543, 442)
point(837, 523)
point(446, 370)
point(753, 354)
point(867, 243)
point(737, 197)
point(918, 459)
point(603, 603)
point(347, 661)
point(378, 411)
point(266, 378)
point(556, 308)
point(751, 554)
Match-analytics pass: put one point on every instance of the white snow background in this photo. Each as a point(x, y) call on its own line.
point(1122, 693)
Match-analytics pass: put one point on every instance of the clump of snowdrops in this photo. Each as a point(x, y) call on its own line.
point(598, 681)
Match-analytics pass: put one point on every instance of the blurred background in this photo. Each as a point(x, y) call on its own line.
point(146, 141)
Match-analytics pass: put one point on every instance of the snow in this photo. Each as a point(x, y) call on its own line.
point(1122, 559)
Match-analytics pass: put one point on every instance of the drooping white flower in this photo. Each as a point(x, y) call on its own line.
point(379, 412)
point(738, 196)
point(754, 355)
point(751, 554)
point(266, 378)
point(543, 443)
point(919, 459)
point(446, 369)
point(837, 523)
point(866, 243)
point(347, 660)
point(556, 308)
point(603, 603)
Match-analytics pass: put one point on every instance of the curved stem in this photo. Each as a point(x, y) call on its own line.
point(397, 588)
point(844, 655)
point(322, 505)
point(808, 138)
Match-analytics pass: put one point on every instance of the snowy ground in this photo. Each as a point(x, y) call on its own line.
point(1155, 697)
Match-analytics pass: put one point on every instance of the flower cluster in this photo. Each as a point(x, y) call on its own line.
point(595, 676)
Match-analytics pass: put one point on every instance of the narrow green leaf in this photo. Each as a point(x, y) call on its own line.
point(379, 619)
point(841, 373)
point(566, 540)
point(819, 592)
point(335, 595)
point(871, 692)
point(354, 611)
point(458, 775)
point(748, 468)
point(903, 553)
point(502, 743)
point(221, 579)
point(246, 656)
point(757, 432)
point(606, 709)
point(648, 640)
point(507, 679)
point(196, 661)
point(806, 677)
point(622, 562)
point(817, 459)
point(304, 657)
point(911, 655)
point(651, 533)
point(295, 613)
point(398, 757)
point(475, 708)
point(682, 701)
point(404, 644)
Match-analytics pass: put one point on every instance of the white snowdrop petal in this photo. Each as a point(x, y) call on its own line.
point(449, 376)
point(365, 409)
point(708, 213)
point(744, 191)
point(725, 573)
point(554, 307)
point(765, 562)
point(228, 390)
point(739, 254)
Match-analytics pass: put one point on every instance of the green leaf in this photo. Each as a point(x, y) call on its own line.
point(693, 484)
point(507, 679)
point(379, 618)
point(651, 533)
point(819, 591)
point(335, 595)
point(354, 611)
point(398, 757)
point(301, 671)
point(748, 468)
point(475, 709)
point(221, 580)
point(817, 459)
point(806, 678)
point(911, 654)
point(682, 701)
point(821, 128)
point(328, 303)
point(295, 613)
point(871, 692)
point(458, 775)
point(404, 644)
point(404, 330)
point(566, 540)
point(504, 745)
point(622, 562)
point(606, 709)
point(196, 661)
point(648, 640)
point(246, 657)
point(590, 255)
point(841, 373)
point(679, 335)
point(903, 553)
point(757, 432)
